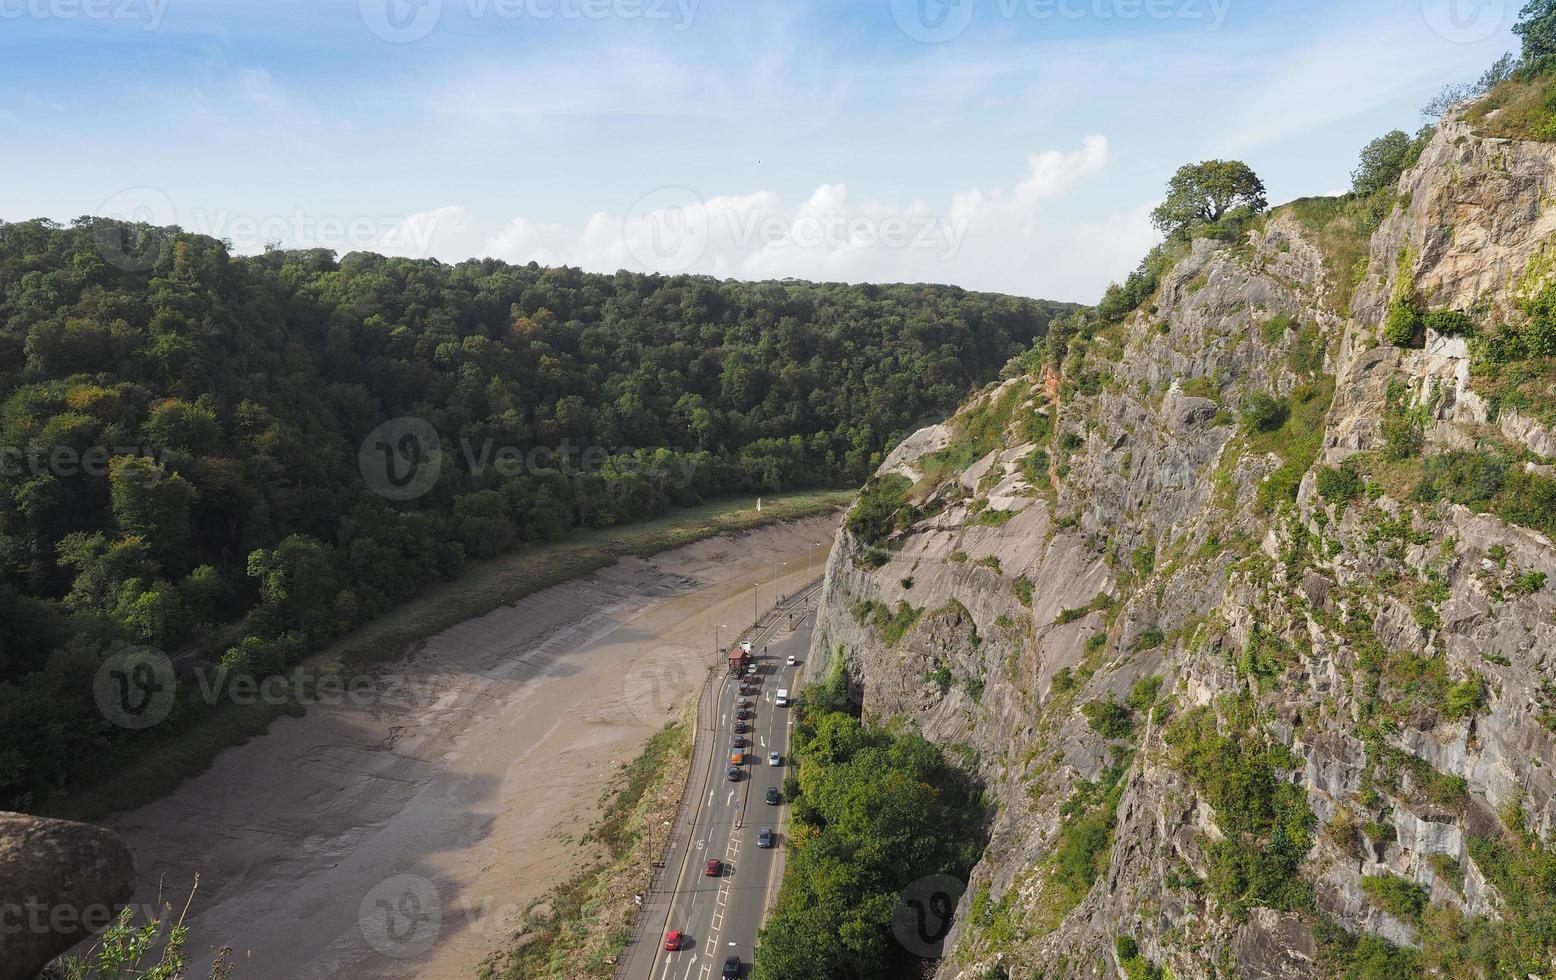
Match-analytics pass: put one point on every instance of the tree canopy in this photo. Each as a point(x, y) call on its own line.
point(1537, 27)
point(180, 433)
point(874, 812)
point(1385, 160)
point(1204, 193)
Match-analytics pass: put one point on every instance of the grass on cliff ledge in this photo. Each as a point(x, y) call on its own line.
point(1342, 228)
point(1294, 433)
point(1519, 109)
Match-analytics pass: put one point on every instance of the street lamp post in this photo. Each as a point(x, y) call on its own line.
point(777, 565)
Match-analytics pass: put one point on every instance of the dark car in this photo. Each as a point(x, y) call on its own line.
point(743, 714)
point(734, 774)
point(742, 727)
point(738, 742)
point(772, 796)
point(732, 968)
point(765, 838)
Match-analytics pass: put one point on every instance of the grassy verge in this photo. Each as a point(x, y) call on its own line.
point(189, 750)
point(582, 927)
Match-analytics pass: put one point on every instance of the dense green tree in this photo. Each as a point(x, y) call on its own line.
point(1382, 162)
point(875, 811)
point(1205, 193)
point(153, 505)
point(1537, 27)
point(180, 431)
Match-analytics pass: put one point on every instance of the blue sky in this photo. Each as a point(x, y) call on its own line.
point(1014, 145)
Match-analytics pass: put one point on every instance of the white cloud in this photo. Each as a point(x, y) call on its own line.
point(1053, 172)
point(985, 238)
point(418, 236)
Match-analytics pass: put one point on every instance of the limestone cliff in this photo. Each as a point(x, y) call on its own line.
point(1239, 689)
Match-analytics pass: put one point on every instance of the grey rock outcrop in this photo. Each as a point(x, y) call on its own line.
point(1165, 542)
point(60, 882)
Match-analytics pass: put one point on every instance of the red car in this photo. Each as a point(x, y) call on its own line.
point(714, 869)
point(674, 941)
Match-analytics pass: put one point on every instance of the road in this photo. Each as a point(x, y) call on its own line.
point(720, 916)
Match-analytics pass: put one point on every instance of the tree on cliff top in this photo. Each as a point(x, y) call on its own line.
point(1204, 193)
point(1385, 160)
point(1537, 26)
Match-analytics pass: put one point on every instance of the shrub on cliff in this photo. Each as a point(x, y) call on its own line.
point(1385, 160)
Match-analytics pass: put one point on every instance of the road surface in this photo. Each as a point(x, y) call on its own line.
point(720, 916)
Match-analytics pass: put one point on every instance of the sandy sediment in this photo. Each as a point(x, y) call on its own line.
point(400, 831)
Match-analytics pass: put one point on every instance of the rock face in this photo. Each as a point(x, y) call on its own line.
point(60, 882)
point(1384, 663)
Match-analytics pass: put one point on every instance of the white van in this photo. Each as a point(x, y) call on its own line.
point(783, 697)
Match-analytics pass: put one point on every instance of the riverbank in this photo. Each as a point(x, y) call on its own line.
point(581, 929)
point(407, 835)
point(484, 586)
